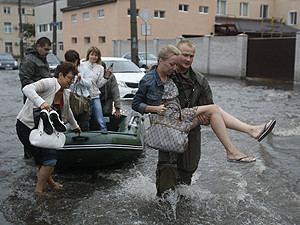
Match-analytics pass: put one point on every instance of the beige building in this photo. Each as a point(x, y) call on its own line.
point(265, 16)
point(99, 23)
point(9, 25)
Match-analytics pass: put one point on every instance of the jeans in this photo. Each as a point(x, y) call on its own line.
point(97, 115)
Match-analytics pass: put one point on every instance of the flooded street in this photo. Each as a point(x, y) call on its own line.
point(265, 192)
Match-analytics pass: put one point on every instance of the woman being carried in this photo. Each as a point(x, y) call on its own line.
point(156, 88)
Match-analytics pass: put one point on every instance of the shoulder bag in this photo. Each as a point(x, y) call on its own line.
point(78, 103)
point(166, 133)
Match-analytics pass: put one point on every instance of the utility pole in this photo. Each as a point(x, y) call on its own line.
point(54, 28)
point(133, 29)
point(20, 31)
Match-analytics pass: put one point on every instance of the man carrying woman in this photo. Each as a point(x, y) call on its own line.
point(157, 88)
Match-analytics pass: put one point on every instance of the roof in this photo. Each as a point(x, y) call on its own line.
point(255, 26)
point(23, 2)
point(87, 4)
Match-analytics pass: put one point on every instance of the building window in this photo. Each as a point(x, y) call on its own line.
point(222, 7)
point(60, 26)
point(8, 47)
point(87, 40)
point(293, 18)
point(74, 40)
point(60, 46)
point(7, 27)
point(86, 16)
point(183, 8)
point(264, 11)
point(74, 18)
point(23, 11)
point(137, 12)
point(101, 13)
point(102, 39)
point(43, 28)
point(159, 14)
point(6, 10)
point(244, 9)
point(203, 9)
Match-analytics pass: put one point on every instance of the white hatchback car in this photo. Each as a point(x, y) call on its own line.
point(128, 75)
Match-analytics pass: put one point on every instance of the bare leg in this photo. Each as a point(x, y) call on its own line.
point(218, 126)
point(235, 124)
point(44, 175)
point(54, 184)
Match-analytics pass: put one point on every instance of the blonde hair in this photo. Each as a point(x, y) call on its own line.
point(96, 51)
point(186, 42)
point(165, 53)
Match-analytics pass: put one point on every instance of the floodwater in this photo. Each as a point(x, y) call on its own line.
point(265, 192)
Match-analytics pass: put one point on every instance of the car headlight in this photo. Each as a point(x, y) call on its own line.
point(121, 83)
point(16, 63)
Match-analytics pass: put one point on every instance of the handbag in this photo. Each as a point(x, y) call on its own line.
point(78, 103)
point(39, 138)
point(166, 133)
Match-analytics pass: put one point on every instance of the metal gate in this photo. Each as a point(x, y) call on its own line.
point(271, 58)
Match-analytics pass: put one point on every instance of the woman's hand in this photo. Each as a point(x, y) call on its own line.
point(77, 131)
point(161, 110)
point(203, 120)
point(46, 106)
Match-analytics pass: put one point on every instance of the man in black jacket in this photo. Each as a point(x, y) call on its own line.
point(194, 90)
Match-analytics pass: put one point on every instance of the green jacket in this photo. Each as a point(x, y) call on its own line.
point(110, 94)
point(33, 67)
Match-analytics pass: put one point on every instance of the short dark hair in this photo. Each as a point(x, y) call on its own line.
point(43, 41)
point(65, 68)
point(71, 56)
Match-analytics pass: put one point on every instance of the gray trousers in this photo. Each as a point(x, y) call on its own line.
point(178, 168)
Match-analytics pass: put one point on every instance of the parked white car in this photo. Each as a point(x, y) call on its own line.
point(128, 75)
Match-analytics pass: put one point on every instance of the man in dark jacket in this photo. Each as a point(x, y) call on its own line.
point(34, 66)
point(194, 90)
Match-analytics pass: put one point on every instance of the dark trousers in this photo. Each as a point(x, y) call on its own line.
point(178, 168)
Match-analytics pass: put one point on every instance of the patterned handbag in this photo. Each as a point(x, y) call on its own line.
point(166, 133)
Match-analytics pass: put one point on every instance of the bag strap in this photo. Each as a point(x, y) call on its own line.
point(77, 83)
point(175, 103)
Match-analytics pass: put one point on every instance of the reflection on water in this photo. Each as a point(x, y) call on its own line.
point(266, 192)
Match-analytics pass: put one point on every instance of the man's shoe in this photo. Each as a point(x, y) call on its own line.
point(57, 123)
point(46, 122)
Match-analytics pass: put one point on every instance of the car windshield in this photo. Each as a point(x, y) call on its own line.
point(52, 59)
point(122, 66)
point(6, 57)
point(149, 56)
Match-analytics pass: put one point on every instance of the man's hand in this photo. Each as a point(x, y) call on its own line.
point(77, 131)
point(203, 120)
point(118, 113)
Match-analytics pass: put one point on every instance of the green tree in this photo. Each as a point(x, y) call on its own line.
point(28, 30)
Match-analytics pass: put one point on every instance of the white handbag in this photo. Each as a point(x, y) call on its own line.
point(40, 139)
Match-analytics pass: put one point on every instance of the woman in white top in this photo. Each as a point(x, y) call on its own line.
point(96, 71)
point(48, 93)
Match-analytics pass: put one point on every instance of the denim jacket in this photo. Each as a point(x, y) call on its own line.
point(150, 92)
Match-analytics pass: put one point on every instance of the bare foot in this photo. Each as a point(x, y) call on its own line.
point(57, 185)
point(43, 194)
